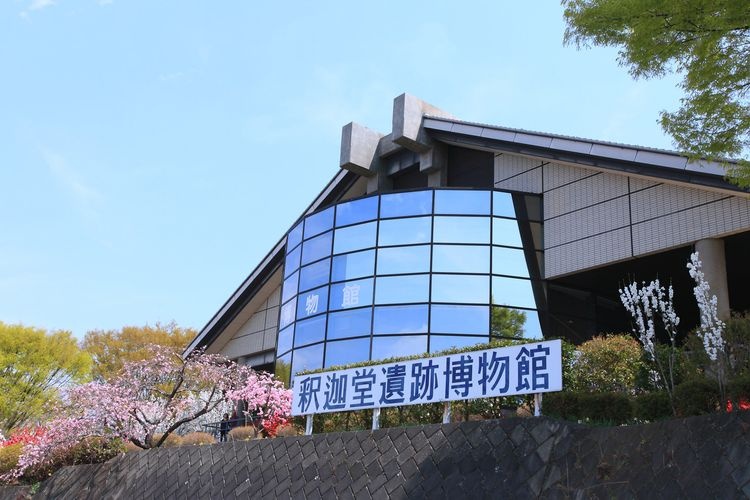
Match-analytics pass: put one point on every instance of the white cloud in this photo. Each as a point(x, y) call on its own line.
point(83, 194)
point(41, 4)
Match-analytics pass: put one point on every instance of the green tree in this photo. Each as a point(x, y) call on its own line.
point(608, 364)
point(507, 322)
point(34, 366)
point(111, 349)
point(706, 41)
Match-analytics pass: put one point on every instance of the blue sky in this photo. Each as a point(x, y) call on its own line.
point(151, 153)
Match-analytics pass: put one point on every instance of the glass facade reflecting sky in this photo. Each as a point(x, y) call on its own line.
point(403, 273)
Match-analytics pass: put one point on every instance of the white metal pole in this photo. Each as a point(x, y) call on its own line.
point(308, 425)
point(447, 412)
point(375, 419)
point(538, 405)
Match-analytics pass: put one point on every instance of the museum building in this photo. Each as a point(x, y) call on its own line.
point(447, 233)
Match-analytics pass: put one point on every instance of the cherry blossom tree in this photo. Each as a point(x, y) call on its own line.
point(647, 304)
point(153, 398)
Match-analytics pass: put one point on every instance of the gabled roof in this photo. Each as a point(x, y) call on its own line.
point(624, 158)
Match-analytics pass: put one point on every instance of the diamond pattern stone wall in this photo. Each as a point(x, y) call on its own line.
point(699, 457)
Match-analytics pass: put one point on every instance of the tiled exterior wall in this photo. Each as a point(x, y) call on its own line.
point(258, 334)
point(593, 218)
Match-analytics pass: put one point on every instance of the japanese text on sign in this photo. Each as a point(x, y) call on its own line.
point(504, 371)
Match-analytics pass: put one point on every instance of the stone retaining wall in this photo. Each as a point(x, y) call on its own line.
point(699, 457)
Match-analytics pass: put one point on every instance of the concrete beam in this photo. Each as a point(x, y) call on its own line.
point(359, 145)
point(407, 122)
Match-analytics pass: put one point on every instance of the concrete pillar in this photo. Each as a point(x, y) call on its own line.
point(711, 254)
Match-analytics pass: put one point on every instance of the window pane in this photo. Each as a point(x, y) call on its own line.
point(355, 237)
point(291, 263)
point(289, 289)
point(502, 204)
point(351, 294)
point(402, 289)
point(507, 322)
point(401, 260)
point(312, 302)
point(309, 331)
point(400, 204)
point(395, 346)
point(352, 323)
point(295, 236)
point(356, 211)
point(400, 319)
point(510, 261)
point(460, 259)
point(316, 224)
point(343, 352)
point(443, 342)
point(512, 292)
point(405, 231)
point(353, 265)
point(464, 289)
point(316, 248)
point(462, 229)
point(471, 320)
point(284, 369)
point(505, 232)
point(462, 202)
point(286, 336)
point(308, 358)
point(287, 313)
point(314, 275)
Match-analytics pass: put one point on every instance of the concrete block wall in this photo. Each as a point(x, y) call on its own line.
point(593, 218)
point(259, 333)
point(698, 457)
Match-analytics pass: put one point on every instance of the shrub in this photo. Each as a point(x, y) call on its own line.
point(738, 392)
point(652, 406)
point(130, 447)
point(91, 450)
point(561, 405)
point(287, 430)
point(171, 441)
point(245, 433)
point(9, 457)
point(696, 397)
point(609, 407)
point(608, 364)
point(197, 439)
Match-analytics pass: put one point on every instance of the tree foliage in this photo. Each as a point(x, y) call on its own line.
point(507, 322)
point(34, 366)
point(111, 349)
point(608, 364)
point(706, 41)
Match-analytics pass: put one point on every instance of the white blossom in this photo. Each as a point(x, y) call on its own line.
point(645, 305)
point(711, 328)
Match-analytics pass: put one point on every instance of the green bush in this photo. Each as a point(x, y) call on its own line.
point(609, 363)
point(605, 407)
point(611, 407)
point(652, 406)
point(696, 397)
point(9, 457)
point(562, 405)
point(739, 389)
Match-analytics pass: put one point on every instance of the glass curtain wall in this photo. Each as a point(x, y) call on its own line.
point(404, 273)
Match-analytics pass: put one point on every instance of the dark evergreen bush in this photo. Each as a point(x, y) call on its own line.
point(652, 406)
point(699, 396)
